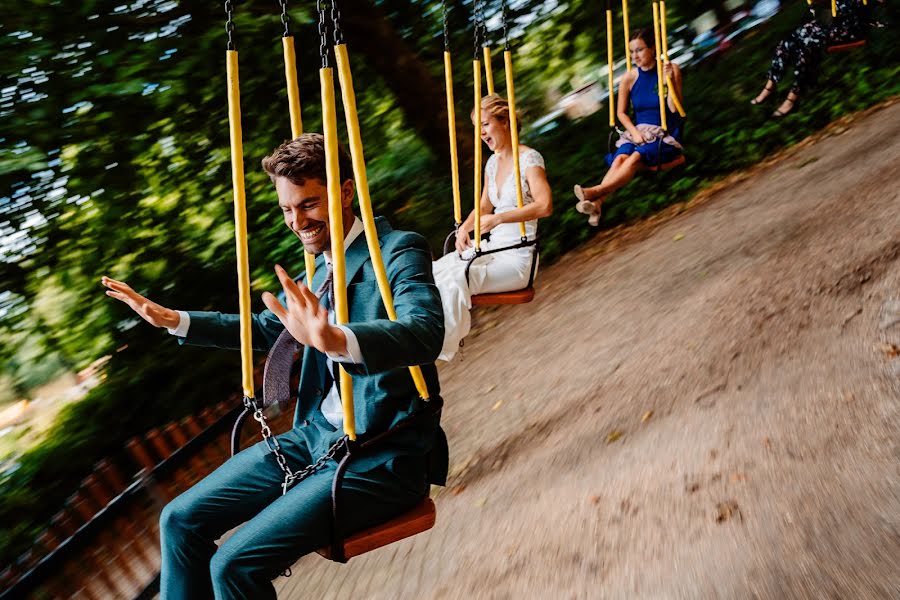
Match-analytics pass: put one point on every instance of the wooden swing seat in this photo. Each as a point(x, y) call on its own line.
point(522, 296)
point(669, 165)
point(419, 519)
point(846, 47)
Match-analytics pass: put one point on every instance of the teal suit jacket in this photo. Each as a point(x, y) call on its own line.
point(383, 390)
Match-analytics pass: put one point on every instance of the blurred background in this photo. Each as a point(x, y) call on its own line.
point(114, 160)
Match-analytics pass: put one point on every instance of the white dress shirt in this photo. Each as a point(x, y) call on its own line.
point(331, 406)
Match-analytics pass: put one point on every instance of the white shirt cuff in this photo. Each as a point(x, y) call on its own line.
point(354, 352)
point(184, 323)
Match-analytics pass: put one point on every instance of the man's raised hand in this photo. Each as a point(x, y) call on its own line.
point(304, 317)
point(150, 311)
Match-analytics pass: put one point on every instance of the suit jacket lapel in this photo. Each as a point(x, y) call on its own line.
point(358, 252)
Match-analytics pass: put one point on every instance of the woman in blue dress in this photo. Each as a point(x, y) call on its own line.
point(639, 145)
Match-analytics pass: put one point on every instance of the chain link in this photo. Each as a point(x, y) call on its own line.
point(446, 26)
point(290, 477)
point(336, 22)
point(505, 24)
point(229, 23)
point(478, 41)
point(323, 33)
point(284, 18)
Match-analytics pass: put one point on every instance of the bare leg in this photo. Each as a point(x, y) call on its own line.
point(617, 177)
point(765, 93)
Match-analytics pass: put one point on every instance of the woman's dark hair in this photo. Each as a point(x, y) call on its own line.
point(646, 36)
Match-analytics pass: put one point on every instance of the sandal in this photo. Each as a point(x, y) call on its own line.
point(585, 207)
point(779, 114)
point(767, 88)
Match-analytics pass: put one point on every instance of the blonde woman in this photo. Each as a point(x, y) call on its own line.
point(500, 217)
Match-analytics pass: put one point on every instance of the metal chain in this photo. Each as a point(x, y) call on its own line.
point(477, 40)
point(285, 18)
point(323, 34)
point(290, 477)
point(505, 24)
point(229, 24)
point(446, 27)
point(336, 22)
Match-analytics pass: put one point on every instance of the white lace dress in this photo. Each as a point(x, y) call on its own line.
point(499, 272)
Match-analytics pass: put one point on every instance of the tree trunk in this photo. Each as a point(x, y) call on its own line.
point(370, 34)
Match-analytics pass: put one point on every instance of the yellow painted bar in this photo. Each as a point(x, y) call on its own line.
point(336, 228)
point(514, 132)
point(293, 93)
point(365, 201)
point(451, 126)
point(240, 219)
point(293, 88)
point(659, 74)
point(833, 8)
point(627, 34)
point(488, 71)
point(609, 62)
point(476, 117)
point(663, 33)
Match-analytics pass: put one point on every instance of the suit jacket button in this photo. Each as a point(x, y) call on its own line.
point(317, 392)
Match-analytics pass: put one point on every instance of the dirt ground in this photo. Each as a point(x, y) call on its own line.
point(703, 405)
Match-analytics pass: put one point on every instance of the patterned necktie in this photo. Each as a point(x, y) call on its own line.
point(327, 288)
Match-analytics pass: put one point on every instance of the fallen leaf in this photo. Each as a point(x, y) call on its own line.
point(480, 502)
point(646, 416)
point(767, 442)
point(593, 499)
point(497, 405)
point(613, 436)
point(736, 477)
point(726, 510)
point(891, 350)
point(458, 490)
point(678, 237)
point(490, 389)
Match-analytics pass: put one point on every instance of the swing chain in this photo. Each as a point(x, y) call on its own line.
point(477, 40)
point(505, 25)
point(285, 18)
point(323, 33)
point(290, 477)
point(229, 24)
point(446, 26)
point(336, 21)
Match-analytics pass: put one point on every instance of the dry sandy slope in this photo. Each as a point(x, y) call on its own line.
point(770, 466)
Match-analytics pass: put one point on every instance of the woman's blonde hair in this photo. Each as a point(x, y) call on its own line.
point(496, 106)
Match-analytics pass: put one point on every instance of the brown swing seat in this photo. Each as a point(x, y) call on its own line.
point(522, 296)
point(846, 47)
point(420, 518)
point(669, 165)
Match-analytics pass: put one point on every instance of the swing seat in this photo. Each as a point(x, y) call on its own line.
point(419, 519)
point(669, 165)
point(846, 47)
point(522, 296)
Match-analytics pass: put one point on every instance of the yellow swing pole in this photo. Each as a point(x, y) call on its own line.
point(833, 8)
point(609, 61)
point(476, 117)
point(293, 93)
point(659, 68)
point(627, 34)
point(365, 201)
point(488, 72)
point(665, 44)
point(451, 126)
point(514, 133)
point(336, 229)
point(240, 220)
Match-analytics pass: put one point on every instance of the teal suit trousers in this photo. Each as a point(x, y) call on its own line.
point(277, 529)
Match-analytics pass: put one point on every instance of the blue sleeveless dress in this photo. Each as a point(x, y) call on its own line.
point(645, 101)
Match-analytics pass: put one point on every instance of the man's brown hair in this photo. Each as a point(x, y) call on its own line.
point(304, 158)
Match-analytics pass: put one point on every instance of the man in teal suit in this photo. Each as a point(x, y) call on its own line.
point(278, 529)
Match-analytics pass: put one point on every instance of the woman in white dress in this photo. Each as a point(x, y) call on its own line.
point(504, 271)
